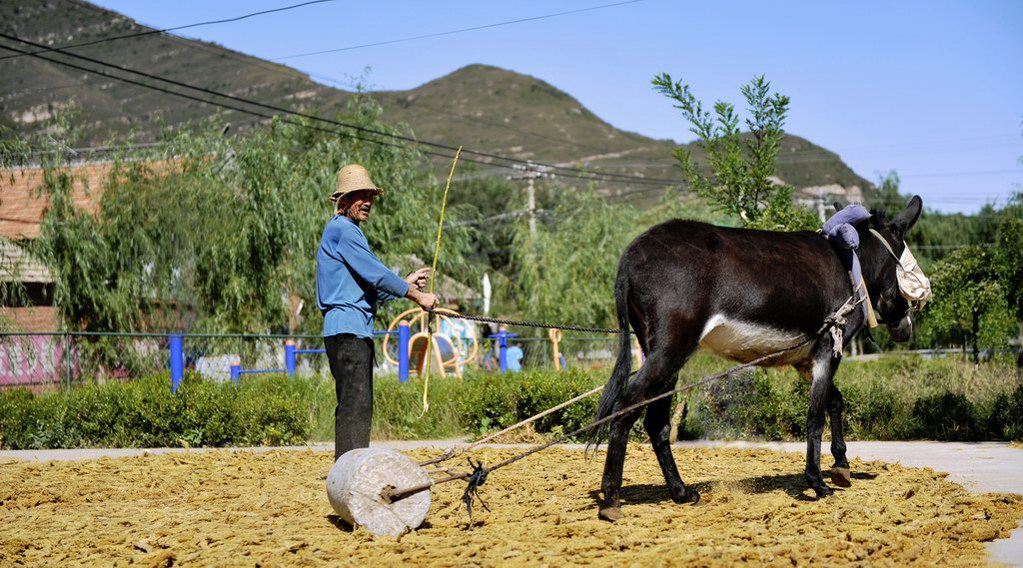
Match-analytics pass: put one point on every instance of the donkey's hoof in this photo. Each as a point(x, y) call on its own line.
point(691, 496)
point(841, 477)
point(823, 490)
point(610, 514)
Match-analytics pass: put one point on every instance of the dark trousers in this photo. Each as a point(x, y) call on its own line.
point(351, 363)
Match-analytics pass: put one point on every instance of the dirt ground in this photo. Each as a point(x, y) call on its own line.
point(246, 508)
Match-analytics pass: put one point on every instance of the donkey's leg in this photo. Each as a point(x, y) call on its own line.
point(658, 427)
point(647, 383)
point(824, 364)
point(840, 475)
point(614, 463)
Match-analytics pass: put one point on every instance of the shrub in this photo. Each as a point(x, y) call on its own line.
point(901, 398)
point(143, 413)
point(874, 412)
point(17, 418)
point(947, 416)
point(492, 402)
point(398, 409)
point(754, 403)
point(1006, 419)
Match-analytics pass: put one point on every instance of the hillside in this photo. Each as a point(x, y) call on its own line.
point(482, 107)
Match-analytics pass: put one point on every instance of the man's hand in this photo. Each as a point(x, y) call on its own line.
point(419, 278)
point(426, 300)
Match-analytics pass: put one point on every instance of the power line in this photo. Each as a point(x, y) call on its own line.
point(797, 156)
point(165, 30)
point(267, 116)
point(957, 174)
point(574, 172)
point(215, 103)
point(451, 32)
point(785, 157)
point(957, 246)
point(291, 74)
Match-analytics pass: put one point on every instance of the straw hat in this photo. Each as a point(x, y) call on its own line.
point(353, 177)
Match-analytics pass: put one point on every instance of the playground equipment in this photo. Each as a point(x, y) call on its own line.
point(502, 338)
point(291, 353)
point(453, 344)
point(559, 360)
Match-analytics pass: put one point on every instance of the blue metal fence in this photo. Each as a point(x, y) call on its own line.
point(50, 360)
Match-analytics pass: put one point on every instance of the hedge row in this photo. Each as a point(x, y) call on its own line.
point(892, 400)
point(897, 399)
point(143, 413)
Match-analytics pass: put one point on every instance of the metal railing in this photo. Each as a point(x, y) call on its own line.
point(53, 360)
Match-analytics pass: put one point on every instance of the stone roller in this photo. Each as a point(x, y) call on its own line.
point(361, 482)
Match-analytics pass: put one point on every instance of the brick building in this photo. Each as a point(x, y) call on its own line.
point(22, 206)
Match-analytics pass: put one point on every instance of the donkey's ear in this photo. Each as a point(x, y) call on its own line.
point(904, 221)
point(838, 207)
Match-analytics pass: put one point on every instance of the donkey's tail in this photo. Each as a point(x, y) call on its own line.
point(620, 375)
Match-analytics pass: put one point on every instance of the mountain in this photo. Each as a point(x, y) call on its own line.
point(482, 107)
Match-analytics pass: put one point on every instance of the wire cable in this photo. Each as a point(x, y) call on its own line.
point(165, 30)
point(574, 172)
point(452, 32)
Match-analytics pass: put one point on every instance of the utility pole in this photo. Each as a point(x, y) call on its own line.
point(531, 172)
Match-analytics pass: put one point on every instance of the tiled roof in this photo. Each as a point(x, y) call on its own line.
point(16, 264)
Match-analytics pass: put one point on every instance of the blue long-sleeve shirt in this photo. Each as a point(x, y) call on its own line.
point(351, 280)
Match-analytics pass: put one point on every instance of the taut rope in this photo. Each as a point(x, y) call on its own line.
point(480, 473)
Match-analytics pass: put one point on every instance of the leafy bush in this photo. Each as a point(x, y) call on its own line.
point(492, 402)
point(398, 409)
point(143, 413)
point(1006, 419)
point(947, 416)
point(891, 399)
point(874, 412)
point(749, 404)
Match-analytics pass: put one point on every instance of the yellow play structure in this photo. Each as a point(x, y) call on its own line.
point(453, 343)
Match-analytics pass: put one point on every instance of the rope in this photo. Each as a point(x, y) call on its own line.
point(455, 452)
point(433, 282)
point(536, 324)
point(836, 318)
point(393, 495)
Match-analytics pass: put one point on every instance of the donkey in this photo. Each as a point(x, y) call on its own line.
point(743, 294)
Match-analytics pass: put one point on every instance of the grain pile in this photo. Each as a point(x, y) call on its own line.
point(244, 508)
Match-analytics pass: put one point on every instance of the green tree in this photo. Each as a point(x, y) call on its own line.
point(567, 272)
point(1010, 258)
point(224, 231)
point(887, 195)
point(969, 303)
point(741, 165)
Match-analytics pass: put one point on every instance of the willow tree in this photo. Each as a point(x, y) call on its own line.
point(224, 231)
point(566, 272)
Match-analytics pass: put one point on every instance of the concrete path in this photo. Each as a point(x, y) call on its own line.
point(978, 466)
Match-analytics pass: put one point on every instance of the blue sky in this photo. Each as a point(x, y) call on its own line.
point(932, 90)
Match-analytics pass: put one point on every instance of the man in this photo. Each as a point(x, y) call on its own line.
point(350, 282)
